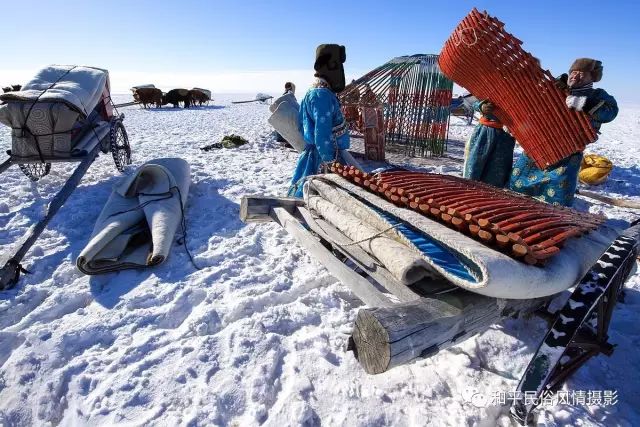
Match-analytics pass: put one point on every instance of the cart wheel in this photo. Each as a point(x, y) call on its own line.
point(119, 145)
point(35, 171)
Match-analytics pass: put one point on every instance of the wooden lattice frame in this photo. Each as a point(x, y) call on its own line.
point(415, 97)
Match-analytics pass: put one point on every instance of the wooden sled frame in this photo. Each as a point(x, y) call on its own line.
point(404, 323)
point(107, 137)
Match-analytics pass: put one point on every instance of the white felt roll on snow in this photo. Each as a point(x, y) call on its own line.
point(139, 221)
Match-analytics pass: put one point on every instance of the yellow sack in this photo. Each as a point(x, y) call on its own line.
point(594, 169)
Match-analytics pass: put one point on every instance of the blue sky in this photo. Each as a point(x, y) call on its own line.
point(256, 45)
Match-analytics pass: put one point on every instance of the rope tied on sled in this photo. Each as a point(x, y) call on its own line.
point(366, 239)
point(25, 129)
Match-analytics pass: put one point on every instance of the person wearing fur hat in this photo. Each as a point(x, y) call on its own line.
point(557, 184)
point(289, 88)
point(323, 125)
point(489, 152)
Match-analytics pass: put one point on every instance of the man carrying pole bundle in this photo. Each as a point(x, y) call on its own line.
point(557, 183)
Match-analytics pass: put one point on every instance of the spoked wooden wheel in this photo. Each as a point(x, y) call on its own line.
point(35, 171)
point(119, 145)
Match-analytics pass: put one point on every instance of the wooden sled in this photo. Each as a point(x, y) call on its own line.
point(402, 324)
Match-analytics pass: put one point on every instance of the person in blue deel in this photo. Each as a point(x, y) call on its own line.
point(489, 152)
point(323, 125)
point(557, 183)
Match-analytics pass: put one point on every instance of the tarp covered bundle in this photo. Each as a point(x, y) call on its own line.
point(139, 221)
point(54, 108)
point(429, 247)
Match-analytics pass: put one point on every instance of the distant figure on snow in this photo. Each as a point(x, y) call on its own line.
point(557, 184)
point(289, 89)
point(324, 127)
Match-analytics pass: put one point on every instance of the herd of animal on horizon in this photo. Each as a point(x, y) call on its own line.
point(148, 96)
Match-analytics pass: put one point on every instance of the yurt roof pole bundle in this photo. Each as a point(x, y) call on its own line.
point(429, 110)
point(442, 106)
point(401, 108)
point(423, 87)
point(413, 106)
point(526, 98)
point(422, 117)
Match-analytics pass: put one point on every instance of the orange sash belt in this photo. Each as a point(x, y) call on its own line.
point(491, 123)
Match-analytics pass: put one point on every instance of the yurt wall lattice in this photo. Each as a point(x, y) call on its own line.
point(414, 98)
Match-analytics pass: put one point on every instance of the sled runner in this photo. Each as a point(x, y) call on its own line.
point(64, 114)
point(430, 283)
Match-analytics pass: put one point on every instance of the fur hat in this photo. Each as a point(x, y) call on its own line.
point(588, 65)
point(290, 86)
point(328, 65)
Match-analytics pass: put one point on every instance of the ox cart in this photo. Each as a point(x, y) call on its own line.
point(64, 114)
point(462, 106)
point(474, 280)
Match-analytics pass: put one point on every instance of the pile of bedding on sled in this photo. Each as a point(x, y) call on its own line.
point(412, 246)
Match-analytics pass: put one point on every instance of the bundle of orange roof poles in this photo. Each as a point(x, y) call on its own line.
point(489, 62)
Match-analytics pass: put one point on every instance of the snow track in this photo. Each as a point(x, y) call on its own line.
point(259, 335)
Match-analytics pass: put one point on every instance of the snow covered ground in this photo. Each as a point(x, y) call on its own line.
point(259, 335)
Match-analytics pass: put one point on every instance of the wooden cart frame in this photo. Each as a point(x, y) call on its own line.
point(106, 136)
